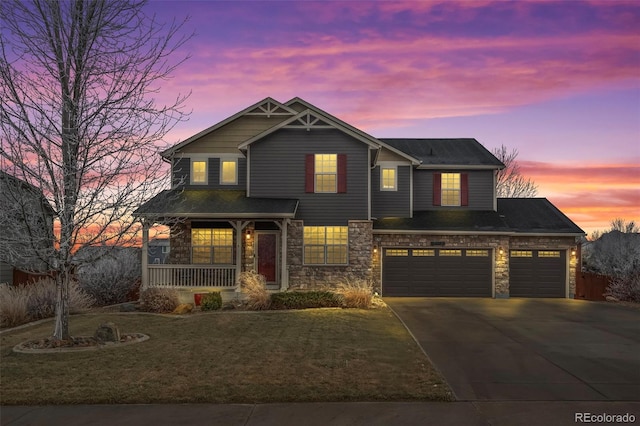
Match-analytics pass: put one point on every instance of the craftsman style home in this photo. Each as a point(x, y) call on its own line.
point(307, 200)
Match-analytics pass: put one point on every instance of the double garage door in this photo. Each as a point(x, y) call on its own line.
point(468, 272)
point(436, 272)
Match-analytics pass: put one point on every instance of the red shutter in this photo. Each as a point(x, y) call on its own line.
point(437, 189)
point(342, 173)
point(309, 184)
point(464, 189)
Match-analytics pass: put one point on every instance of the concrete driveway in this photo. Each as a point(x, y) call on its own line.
point(528, 349)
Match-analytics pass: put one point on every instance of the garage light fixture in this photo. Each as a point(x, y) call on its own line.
point(375, 249)
point(501, 251)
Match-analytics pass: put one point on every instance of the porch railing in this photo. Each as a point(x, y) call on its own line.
point(223, 276)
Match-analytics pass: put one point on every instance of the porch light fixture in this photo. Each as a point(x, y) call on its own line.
point(501, 251)
point(248, 235)
point(573, 251)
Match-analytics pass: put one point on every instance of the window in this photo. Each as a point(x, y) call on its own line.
point(542, 253)
point(228, 171)
point(477, 253)
point(450, 252)
point(388, 179)
point(521, 253)
point(212, 246)
point(450, 189)
point(424, 253)
point(199, 171)
point(326, 171)
point(325, 245)
point(396, 252)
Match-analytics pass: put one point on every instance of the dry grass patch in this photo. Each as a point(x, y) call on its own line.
point(311, 355)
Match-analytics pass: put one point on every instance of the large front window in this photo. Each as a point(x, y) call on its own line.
point(451, 189)
point(326, 172)
point(212, 246)
point(325, 245)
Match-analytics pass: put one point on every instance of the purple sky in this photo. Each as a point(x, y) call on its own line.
point(559, 81)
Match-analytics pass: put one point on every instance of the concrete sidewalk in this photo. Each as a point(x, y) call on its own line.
point(543, 413)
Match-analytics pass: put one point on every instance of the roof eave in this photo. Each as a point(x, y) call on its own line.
point(458, 166)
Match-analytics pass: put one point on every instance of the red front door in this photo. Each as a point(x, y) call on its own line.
point(267, 256)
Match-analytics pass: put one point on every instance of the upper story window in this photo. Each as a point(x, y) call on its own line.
point(212, 245)
point(450, 189)
point(388, 179)
point(199, 172)
point(326, 173)
point(228, 171)
point(326, 245)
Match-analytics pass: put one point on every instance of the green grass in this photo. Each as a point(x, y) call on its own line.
point(310, 355)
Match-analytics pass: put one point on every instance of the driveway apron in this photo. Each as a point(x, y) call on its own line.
point(528, 349)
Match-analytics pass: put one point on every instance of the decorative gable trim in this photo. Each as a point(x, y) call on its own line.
point(267, 107)
point(307, 120)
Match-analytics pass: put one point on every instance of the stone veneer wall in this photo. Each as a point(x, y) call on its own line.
point(180, 243)
point(305, 277)
point(382, 241)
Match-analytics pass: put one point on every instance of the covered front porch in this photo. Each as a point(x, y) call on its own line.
point(215, 235)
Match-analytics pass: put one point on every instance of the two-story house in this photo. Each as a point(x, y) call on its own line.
point(307, 200)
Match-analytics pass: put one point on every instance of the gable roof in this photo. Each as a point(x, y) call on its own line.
point(215, 203)
point(268, 106)
point(313, 117)
point(464, 153)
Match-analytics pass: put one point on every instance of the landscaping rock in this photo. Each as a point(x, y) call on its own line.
point(183, 308)
point(107, 332)
point(128, 307)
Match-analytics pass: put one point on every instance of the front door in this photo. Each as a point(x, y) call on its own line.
point(267, 255)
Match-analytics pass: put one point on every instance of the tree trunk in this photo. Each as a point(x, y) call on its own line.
point(61, 330)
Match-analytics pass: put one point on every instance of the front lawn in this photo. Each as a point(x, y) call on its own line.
point(308, 355)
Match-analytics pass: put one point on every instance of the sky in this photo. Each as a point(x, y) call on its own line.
point(558, 81)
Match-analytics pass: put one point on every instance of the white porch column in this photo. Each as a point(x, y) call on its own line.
point(284, 270)
point(145, 254)
point(238, 225)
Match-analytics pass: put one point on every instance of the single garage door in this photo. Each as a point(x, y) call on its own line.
point(537, 273)
point(436, 272)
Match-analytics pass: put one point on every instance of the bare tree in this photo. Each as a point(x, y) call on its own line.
point(79, 120)
point(509, 182)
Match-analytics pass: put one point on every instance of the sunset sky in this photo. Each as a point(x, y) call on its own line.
point(559, 81)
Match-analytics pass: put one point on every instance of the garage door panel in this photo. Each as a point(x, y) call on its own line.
point(437, 272)
point(537, 273)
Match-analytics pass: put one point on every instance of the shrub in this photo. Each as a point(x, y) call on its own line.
point(305, 299)
point(160, 300)
point(211, 301)
point(13, 305)
point(254, 287)
point(37, 300)
point(627, 290)
point(356, 293)
point(114, 277)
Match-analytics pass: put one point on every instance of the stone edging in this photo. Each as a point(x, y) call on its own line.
point(138, 338)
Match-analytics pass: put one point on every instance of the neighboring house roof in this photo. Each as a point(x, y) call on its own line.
point(514, 215)
point(215, 203)
point(536, 215)
point(444, 153)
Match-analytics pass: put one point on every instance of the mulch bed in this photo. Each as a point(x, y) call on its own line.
point(49, 344)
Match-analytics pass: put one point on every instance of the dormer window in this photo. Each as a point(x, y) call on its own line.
point(199, 172)
point(228, 171)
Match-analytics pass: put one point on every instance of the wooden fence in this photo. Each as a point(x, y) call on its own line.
point(590, 286)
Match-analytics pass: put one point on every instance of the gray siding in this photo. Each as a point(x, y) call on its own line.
point(278, 171)
point(391, 203)
point(480, 189)
point(6, 273)
point(182, 170)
